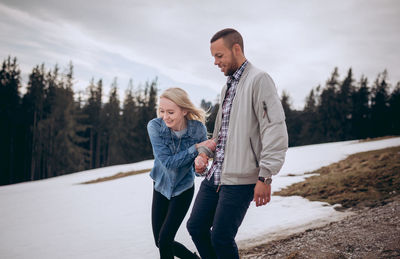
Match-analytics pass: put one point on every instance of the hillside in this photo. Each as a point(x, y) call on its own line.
point(62, 218)
point(366, 184)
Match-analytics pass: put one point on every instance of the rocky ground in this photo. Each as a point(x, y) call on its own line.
point(368, 233)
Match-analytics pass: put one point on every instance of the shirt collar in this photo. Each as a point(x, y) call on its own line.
point(238, 73)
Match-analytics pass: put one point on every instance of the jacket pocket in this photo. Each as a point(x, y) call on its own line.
point(254, 153)
point(265, 114)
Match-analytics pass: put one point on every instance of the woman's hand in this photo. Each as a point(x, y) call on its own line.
point(200, 163)
point(210, 144)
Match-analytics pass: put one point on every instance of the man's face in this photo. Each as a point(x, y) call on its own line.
point(224, 57)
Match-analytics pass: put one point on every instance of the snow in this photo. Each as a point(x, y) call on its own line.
point(61, 218)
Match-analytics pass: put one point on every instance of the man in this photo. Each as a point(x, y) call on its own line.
point(252, 140)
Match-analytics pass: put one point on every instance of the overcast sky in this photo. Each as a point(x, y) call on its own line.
point(297, 42)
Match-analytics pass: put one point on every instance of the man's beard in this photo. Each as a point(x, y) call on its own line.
point(232, 68)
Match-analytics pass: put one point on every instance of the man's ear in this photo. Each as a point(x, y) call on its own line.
point(237, 49)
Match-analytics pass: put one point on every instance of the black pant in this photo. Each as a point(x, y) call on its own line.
point(167, 216)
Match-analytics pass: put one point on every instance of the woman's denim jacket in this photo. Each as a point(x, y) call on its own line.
point(173, 171)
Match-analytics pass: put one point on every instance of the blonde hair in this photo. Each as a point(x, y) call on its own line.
point(181, 98)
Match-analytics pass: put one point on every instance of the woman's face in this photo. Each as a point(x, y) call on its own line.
point(172, 114)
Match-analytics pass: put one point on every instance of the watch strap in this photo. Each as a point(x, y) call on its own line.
point(265, 180)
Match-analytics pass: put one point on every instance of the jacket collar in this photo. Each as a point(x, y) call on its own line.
point(243, 75)
point(238, 73)
point(166, 132)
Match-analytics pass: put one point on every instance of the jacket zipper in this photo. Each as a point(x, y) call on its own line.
point(266, 112)
point(254, 153)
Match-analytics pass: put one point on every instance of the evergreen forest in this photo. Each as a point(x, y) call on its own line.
point(49, 130)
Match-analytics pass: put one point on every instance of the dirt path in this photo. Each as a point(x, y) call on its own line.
point(368, 233)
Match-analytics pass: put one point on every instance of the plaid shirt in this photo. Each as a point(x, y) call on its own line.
point(216, 167)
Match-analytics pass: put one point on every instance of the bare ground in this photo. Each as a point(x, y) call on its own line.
point(368, 233)
point(367, 185)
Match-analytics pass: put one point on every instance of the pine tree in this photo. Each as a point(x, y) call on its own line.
point(111, 120)
point(66, 154)
point(345, 106)
point(150, 113)
point(92, 111)
point(128, 126)
point(293, 120)
point(328, 113)
point(394, 110)
point(10, 122)
point(311, 130)
point(47, 126)
point(360, 118)
point(33, 104)
point(380, 118)
point(147, 101)
point(311, 102)
point(80, 137)
point(210, 121)
point(206, 106)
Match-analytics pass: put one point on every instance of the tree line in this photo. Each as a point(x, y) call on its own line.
point(345, 109)
point(47, 132)
point(342, 109)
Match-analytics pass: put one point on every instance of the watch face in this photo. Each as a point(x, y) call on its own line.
point(265, 180)
point(268, 181)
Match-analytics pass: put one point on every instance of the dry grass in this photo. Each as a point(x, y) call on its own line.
point(363, 179)
point(117, 176)
point(377, 138)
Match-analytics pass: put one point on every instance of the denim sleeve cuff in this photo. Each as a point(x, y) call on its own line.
point(193, 151)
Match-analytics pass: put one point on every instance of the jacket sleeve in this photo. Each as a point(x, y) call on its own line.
point(164, 154)
point(203, 137)
point(269, 112)
point(203, 132)
point(217, 125)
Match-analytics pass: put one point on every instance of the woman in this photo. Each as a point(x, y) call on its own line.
point(175, 136)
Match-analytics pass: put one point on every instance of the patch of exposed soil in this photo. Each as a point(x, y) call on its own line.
point(366, 183)
point(369, 233)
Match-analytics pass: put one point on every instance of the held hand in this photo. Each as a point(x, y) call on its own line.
point(200, 163)
point(262, 193)
point(210, 143)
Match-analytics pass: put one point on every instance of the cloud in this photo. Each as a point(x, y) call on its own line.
point(299, 43)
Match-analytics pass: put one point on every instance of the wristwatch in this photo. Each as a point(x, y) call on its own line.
point(265, 180)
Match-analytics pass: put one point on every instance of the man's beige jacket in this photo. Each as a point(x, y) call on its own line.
point(257, 136)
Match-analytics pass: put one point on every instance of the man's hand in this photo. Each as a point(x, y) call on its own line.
point(210, 144)
point(262, 193)
point(200, 163)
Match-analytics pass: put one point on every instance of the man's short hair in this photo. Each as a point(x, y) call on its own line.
point(230, 37)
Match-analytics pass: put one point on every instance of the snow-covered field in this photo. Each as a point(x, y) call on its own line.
point(61, 218)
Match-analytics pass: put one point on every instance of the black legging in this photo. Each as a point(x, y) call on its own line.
point(167, 216)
